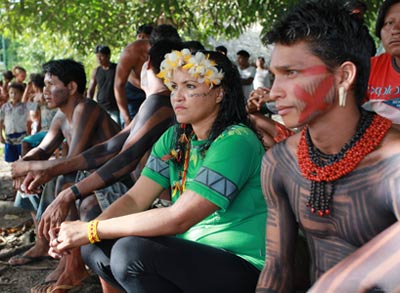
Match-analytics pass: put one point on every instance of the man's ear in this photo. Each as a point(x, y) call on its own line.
point(347, 75)
point(72, 87)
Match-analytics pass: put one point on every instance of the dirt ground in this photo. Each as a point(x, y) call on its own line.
point(20, 279)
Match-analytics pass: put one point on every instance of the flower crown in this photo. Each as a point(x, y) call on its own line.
point(199, 66)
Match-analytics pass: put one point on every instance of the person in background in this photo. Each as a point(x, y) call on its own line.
point(261, 78)
point(102, 78)
point(14, 116)
point(194, 46)
point(335, 180)
point(42, 118)
point(7, 78)
point(246, 71)
point(19, 74)
point(222, 49)
point(128, 94)
point(383, 96)
point(218, 211)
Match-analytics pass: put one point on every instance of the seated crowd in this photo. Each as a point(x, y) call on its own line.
point(203, 191)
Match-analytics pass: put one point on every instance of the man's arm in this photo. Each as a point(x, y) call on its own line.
point(49, 144)
point(131, 59)
point(92, 84)
point(281, 230)
point(154, 117)
point(374, 267)
point(87, 119)
point(2, 138)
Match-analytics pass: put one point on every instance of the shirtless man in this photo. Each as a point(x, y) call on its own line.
point(336, 180)
point(80, 121)
point(114, 158)
point(127, 78)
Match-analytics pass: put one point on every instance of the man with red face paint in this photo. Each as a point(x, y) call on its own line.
point(337, 179)
point(384, 81)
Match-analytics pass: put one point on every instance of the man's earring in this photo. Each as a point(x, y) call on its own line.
point(342, 97)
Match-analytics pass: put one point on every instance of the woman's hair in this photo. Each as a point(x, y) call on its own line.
point(232, 108)
point(333, 33)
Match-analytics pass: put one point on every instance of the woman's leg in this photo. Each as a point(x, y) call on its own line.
point(170, 264)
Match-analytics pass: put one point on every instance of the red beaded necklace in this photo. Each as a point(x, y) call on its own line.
point(321, 172)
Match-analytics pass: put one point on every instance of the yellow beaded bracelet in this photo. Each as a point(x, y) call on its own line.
point(92, 231)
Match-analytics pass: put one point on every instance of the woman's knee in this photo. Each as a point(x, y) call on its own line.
point(130, 257)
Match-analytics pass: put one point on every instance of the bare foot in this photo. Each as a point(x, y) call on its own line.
point(71, 271)
point(36, 253)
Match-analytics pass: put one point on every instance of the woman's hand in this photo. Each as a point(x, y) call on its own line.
point(67, 236)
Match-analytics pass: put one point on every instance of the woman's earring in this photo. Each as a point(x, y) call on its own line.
point(342, 97)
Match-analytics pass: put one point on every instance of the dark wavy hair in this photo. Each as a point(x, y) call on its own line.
point(232, 109)
point(67, 70)
point(334, 34)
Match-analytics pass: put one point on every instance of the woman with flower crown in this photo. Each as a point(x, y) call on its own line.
point(211, 239)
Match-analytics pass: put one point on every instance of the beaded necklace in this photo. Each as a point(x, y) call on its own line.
point(175, 155)
point(323, 170)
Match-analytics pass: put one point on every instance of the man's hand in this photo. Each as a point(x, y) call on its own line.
point(56, 213)
point(17, 183)
point(33, 180)
point(257, 98)
point(19, 168)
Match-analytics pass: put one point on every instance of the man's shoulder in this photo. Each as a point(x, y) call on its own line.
point(138, 45)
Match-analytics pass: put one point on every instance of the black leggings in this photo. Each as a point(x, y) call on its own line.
point(169, 264)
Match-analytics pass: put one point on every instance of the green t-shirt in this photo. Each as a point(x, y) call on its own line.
point(228, 176)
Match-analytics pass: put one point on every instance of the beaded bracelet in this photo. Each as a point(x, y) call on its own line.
point(76, 192)
point(92, 231)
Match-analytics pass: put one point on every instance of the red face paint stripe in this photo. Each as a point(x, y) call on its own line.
point(314, 70)
point(314, 102)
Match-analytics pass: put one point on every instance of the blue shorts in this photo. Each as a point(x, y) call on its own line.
point(12, 152)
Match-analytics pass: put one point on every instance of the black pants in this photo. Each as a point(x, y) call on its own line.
point(169, 264)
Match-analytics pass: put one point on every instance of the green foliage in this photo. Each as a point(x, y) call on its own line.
point(40, 30)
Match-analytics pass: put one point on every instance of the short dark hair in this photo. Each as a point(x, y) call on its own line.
point(194, 46)
point(382, 14)
point(67, 70)
point(243, 53)
point(37, 79)
point(144, 28)
point(105, 50)
point(158, 51)
point(8, 74)
point(333, 33)
point(18, 86)
point(222, 49)
point(164, 32)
